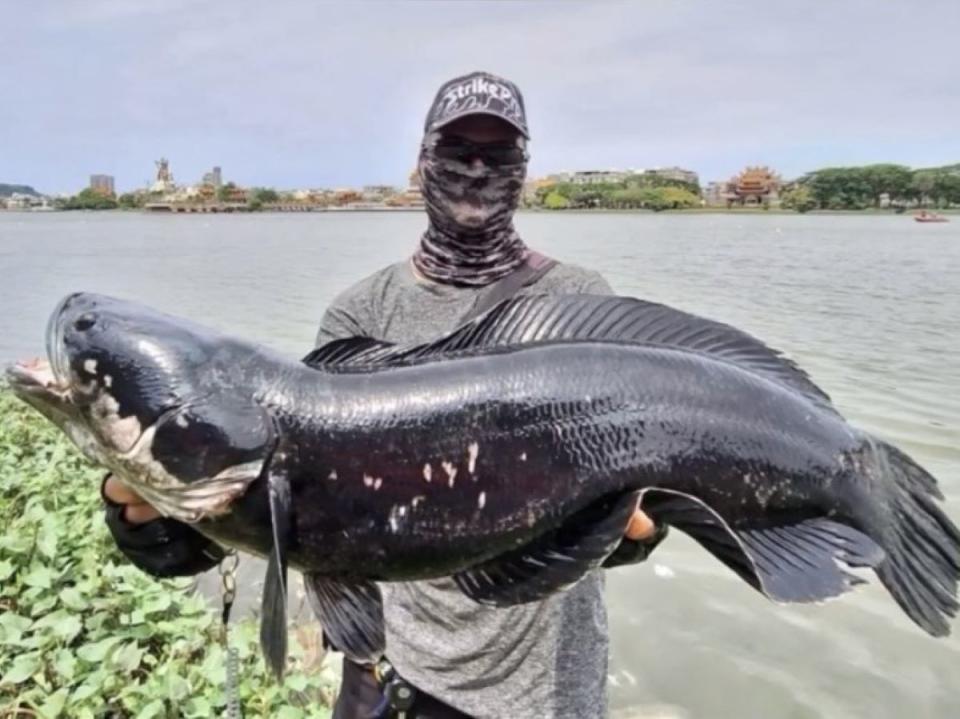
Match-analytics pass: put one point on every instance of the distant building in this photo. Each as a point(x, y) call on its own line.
point(20, 201)
point(717, 194)
point(754, 186)
point(164, 182)
point(592, 177)
point(378, 193)
point(412, 196)
point(677, 174)
point(102, 184)
point(214, 178)
point(532, 187)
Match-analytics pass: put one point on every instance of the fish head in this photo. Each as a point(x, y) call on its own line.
point(152, 397)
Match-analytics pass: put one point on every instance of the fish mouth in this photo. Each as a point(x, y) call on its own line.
point(37, 378)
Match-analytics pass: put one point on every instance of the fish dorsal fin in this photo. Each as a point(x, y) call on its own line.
point(349, 351)
point(546, 318)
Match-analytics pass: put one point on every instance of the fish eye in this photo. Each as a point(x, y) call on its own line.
point(84, 322)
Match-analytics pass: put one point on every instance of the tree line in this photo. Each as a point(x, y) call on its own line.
point(859, 188)
point(648, 192)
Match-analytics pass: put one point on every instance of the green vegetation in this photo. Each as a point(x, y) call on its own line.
point(858, 188)
point(264, 195)
point(555, 201)
point(89, 199)
point(85, 634)
point(800, 198)
point(131, 201)
point(648, 192)
point(8, 190)
point(224, 191)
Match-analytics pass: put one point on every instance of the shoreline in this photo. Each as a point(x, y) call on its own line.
point(206, 212)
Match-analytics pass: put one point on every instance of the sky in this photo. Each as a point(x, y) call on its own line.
point(313, 94)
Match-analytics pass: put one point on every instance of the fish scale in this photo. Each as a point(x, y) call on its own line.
point(538, 450)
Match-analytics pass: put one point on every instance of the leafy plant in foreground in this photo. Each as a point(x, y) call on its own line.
point(85, 634)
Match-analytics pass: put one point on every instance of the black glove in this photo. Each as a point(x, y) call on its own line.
point(631, 551)
point(162, 547)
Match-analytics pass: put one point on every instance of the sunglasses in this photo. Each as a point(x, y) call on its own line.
point(492, 154)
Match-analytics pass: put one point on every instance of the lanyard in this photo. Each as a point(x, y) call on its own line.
point(228, 578)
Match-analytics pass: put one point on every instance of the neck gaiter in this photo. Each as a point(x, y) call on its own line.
point(470, 241)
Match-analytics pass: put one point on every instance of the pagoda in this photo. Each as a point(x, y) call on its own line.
point(754, 186)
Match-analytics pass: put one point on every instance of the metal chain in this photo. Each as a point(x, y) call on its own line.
point(228, 579)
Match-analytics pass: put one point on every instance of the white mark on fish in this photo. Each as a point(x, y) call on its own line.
point(367, 480)
point(523, 456)
point(122, 432)
point(427, 472)
point(182, 421)
point(451, 472)
point(107, 381)
point(397, 512)
point(481, 500)
point(333, 475)
point(473, 449)
point(663, 571)
point(377, 482)
point(90, 366)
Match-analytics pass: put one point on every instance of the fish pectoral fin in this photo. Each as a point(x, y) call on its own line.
point(788, 562)
point(351, 614)
point(554, 561)
point(273, 618)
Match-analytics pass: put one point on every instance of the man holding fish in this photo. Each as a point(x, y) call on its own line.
point(460, 658)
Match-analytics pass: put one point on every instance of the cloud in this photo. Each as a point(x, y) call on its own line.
point(313, 94)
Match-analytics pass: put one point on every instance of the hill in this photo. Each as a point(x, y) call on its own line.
point(8, 190)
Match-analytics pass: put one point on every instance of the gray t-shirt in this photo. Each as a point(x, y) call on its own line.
point(546, 659)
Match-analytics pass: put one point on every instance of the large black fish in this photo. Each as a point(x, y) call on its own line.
point(510, 454)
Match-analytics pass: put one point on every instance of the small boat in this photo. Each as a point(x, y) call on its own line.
point(925, 216)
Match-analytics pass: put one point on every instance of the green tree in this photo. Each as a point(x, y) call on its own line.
point(224, 191)
point(922, 185)
point(130, 201)
point(892, 180)
point(670, 198)
point(631, 197)
point(264, 195)
point(90, 199)
point(555, 201)
point(800, 198)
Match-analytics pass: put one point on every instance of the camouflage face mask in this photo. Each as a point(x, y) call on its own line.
point(470, 241)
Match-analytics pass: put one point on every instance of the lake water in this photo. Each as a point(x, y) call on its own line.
point(869, 305)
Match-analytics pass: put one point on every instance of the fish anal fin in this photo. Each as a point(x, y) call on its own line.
point(797, 561)
point(351, 614)
point(554, 561)
point(694, 517)
point(803, 562)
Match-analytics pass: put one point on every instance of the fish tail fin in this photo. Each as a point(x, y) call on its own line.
point(922, 564)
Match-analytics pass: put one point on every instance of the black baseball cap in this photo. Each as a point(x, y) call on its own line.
point(479, 93)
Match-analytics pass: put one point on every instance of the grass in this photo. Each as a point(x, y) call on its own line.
point(84, 634)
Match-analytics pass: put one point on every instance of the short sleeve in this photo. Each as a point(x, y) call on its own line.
point(338, 322)
point(595, 284)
